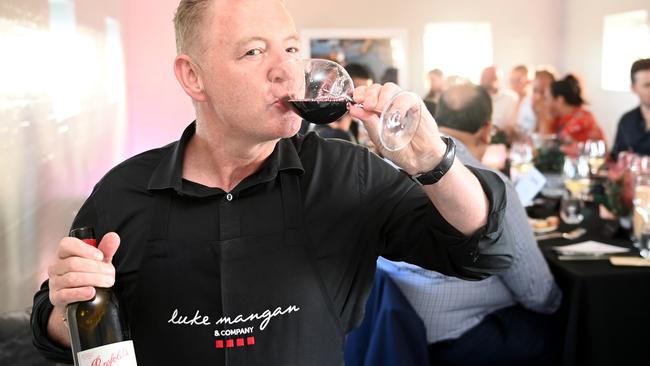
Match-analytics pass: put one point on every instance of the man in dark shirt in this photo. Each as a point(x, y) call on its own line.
point(243, 245)
point(633, 132)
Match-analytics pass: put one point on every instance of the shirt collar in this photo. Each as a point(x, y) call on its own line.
point(169, 172)
point(464, 154)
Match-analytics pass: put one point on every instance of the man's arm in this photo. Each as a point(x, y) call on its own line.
point(42, 312)
point(458, 195)
point(460, 199)
point(529, 278)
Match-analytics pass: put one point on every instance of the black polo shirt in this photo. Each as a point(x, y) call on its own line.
point(632, 134)
point(356, 207)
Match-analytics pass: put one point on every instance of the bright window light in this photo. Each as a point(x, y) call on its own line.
point(626, 38)
point(63, 47)
point(460, 49)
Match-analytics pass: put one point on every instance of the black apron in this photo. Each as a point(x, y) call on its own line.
point(236, 301)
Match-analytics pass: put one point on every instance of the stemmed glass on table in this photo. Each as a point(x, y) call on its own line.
point(641, 222)
point(576, 179)
point(595, 152)
point(320, 91)
point(521, 158)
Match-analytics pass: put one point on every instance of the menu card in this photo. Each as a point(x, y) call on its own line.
point(528, 185)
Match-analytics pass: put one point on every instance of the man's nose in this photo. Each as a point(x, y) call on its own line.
point(283, 70)
point(286, 77)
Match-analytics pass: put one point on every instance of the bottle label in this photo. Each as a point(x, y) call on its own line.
point(114, 354)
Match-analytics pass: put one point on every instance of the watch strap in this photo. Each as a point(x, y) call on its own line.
point(434, 175)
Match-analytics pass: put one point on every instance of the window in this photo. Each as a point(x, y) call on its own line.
point(63, 46)
point(461, 49)
point(626, 38)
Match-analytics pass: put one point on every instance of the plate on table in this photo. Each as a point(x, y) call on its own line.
point(541, 226)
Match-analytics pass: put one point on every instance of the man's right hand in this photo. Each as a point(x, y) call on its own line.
point(76, 271)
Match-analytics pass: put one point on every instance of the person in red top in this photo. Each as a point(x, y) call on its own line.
point(572, 122)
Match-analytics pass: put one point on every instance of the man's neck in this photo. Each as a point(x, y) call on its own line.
point(466, 139)
point(215, 159)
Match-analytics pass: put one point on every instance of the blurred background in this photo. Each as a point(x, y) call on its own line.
point(85, 84)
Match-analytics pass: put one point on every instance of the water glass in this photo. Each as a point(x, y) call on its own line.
point(644, 241)
point(641, 201)
point(571, 209)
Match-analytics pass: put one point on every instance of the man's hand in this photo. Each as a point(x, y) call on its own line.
point(426, 149)
point(458, 196)
point(75, 273)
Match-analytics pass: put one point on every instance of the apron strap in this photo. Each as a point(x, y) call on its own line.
point(291, 200)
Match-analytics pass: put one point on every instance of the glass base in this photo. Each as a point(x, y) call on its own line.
point(399, 121)
point(572, 219)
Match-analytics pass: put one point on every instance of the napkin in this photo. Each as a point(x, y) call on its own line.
point(590, 248)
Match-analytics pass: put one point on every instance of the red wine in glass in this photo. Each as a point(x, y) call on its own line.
point(320, 111)
point(320, 91)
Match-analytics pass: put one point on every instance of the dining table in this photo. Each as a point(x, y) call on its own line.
point(605, 311)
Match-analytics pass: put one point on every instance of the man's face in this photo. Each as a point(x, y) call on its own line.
point(542, 99)
point(436, 82)
point(490, 80)
point(541, 89)
point(241, 45)
point(641, 87)
point(519, 81)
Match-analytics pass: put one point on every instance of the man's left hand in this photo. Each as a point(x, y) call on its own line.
point(425, 150)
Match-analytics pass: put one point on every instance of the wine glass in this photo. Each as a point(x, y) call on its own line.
point(595, 152)
point(320, 91)
point(576, 175)
point(521, 158)
point(641, 201)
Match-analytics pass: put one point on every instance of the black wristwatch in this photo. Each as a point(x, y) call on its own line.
point(433, 176)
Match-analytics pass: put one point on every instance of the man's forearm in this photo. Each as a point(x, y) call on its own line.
point(460, 199)
point(57, 329)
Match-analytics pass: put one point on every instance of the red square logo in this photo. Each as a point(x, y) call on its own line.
point(250, 341)
point(240, 342)
point(230, 343)
point(219, 343)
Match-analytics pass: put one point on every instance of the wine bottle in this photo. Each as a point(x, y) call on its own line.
point(98, 332)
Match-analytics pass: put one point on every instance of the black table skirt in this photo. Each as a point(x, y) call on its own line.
point(606, 308)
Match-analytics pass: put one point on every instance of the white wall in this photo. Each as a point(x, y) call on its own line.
point(158, 107)
point(582, 54)
point(62, 126)
point(523, 31)
point(567, 34)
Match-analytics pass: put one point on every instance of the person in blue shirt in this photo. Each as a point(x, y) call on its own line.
point(501, 320)
point(633, 132)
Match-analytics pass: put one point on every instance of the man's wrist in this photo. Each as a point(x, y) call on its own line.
point(441, 168)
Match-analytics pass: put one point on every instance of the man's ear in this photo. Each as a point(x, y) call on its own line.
point(188, 76)
point(485, 133)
